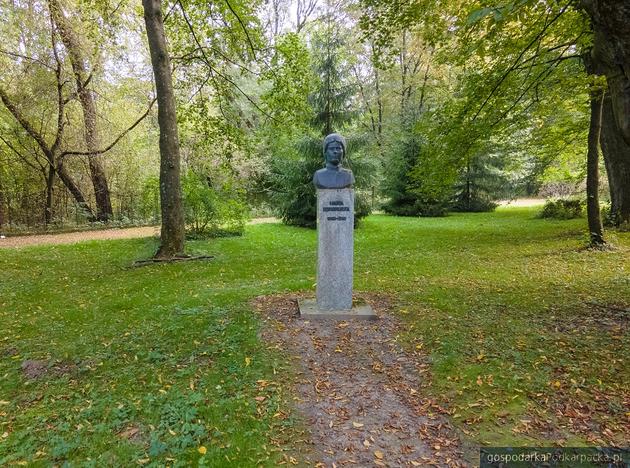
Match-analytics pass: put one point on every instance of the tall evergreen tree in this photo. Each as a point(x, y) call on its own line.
point(292, 188)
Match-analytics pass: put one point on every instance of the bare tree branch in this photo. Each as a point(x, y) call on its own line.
point(21, 156)
point(304, 9)
point(249, 39)
point(24, 123)
point(538, 37)
point(560, 58)
point(191, 55)
point(113, 143)
point(26, 57)
point(206, 60)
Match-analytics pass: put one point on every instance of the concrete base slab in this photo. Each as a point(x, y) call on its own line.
point(308, 310)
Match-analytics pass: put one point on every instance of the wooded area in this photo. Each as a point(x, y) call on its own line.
point(447, 106)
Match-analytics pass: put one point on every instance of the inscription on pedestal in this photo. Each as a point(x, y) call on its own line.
point(335, 226)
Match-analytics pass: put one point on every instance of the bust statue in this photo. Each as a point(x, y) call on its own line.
point(333, 176)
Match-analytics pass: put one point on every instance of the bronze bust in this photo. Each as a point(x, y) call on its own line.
point(333, 176)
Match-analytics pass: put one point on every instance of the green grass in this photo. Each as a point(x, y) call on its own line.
point(513, 314)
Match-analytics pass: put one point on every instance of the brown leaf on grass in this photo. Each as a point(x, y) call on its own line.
point(374, 381)
point(131, 433)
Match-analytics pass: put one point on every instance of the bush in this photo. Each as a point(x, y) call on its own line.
point(401, 188)
point(416, 206)
point(607, 217)
point(563, 209)
point(213, 208)
point(476, 204)
point(149, 207)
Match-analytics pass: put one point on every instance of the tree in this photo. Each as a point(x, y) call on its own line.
point(515, 66)
point(2, 199)
point(173, 226)
point(38, 111)
point(331, 98)
point(595, 229)
point(83, 77)
point(52, 152)
point(611, 57)
point(413, 79)
point(330, 105)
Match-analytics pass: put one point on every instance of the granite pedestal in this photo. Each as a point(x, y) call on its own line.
point(335, 251)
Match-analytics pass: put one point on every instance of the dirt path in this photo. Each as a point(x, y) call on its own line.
point(359, 391)
point(102, 234)
point(520, 202)
point(74, 237)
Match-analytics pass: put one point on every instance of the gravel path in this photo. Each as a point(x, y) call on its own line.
point(74, 237)
point(102, 234)
point(520, 202)
point(361, 395)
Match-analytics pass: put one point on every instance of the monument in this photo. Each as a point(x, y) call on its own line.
point(335, 243)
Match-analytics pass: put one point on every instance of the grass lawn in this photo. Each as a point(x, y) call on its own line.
point(105, 364)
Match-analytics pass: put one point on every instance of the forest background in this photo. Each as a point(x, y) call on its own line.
point(447, 106)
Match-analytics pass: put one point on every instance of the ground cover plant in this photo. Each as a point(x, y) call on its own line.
point(526, 333)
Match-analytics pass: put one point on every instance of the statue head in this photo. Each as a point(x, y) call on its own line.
point(334, 149)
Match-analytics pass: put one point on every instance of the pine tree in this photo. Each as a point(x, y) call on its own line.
point(292, 188)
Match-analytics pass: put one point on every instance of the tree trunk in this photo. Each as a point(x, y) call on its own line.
point(592, 171)
point(49, 154)
point(50, 181)
point(88, 104)
point(617, 160)
point(74, 189)
point(173, 227)
point(610, 21)
point(2, 203)
point(379, 109)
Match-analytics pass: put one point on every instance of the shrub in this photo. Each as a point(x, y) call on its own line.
point(416, 206)
point(149, 207)
point(213, 208)
point(563, 209)
point(408, 195)
point(610, 219)
point(607, 217)
point(475, 204)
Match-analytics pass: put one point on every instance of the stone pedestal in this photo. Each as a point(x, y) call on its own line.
point(335, 251)
point(335, 248)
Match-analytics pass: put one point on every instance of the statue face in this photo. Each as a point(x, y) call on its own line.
point(334, 153)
